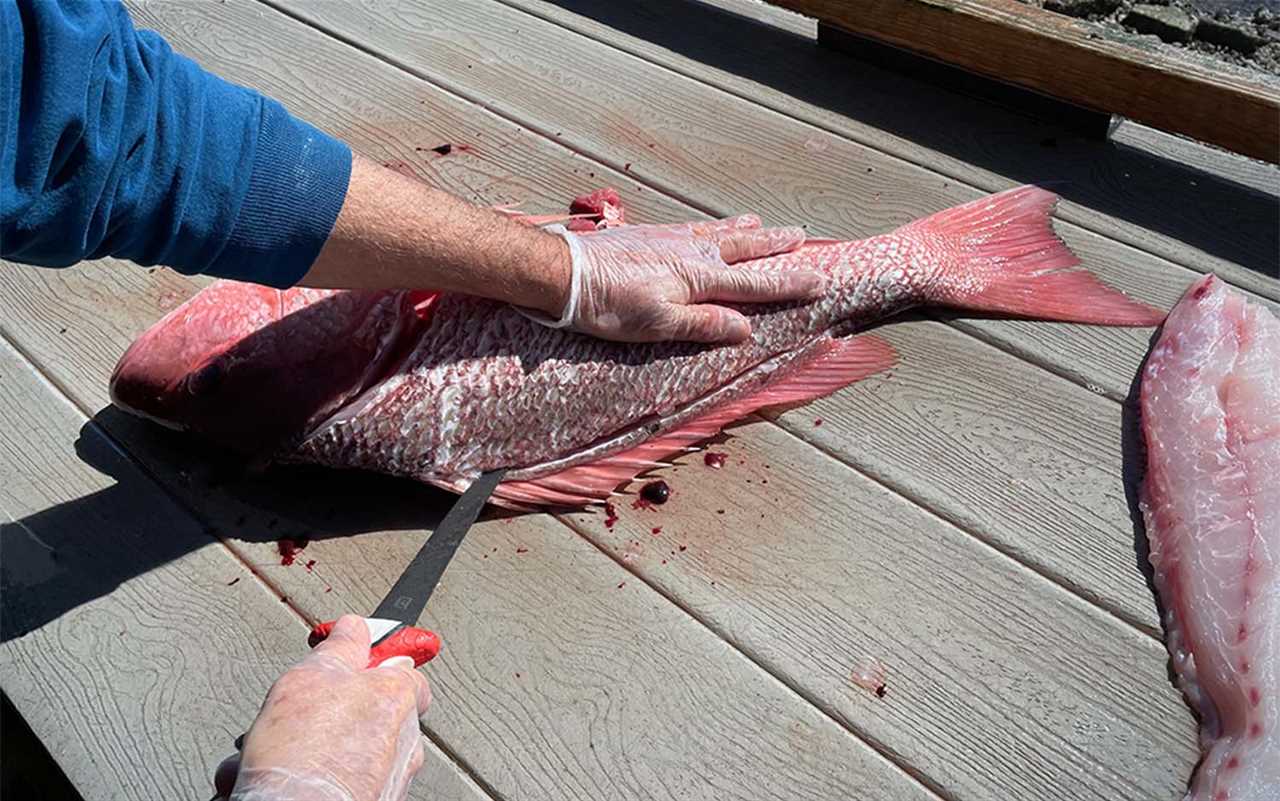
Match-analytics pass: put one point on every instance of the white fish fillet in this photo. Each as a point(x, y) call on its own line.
point(1211, 419)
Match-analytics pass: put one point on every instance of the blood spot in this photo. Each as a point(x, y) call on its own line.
point(1255, 697)
point(1233, 762)
point(288, 549)
point(1244, 666)
point(310, 564)
point(656, 492)
point(522, 550)
point(656, 530)
point(817, 422)
point(1201, 291)
point(610, 516)
point(714, 460)
point(1255, 730)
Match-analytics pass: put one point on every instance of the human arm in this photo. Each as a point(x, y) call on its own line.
point(637, 283)
point(114, 145)
point(332, 729)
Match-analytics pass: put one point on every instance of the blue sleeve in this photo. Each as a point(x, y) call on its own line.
point(114, 145)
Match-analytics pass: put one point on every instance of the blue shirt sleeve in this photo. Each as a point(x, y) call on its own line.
point(114, 145)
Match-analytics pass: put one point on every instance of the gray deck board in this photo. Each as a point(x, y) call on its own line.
point(970, 530)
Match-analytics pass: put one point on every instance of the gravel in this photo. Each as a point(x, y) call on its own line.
point(1245, 33)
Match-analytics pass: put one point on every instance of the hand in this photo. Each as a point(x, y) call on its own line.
point(332, 729)
point(646, 283)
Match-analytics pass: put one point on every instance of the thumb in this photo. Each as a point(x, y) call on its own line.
point(348, 644)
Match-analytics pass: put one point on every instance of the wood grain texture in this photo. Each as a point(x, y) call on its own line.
point(685, 139)
point(1000, 685)
point(141, 682)
point(1025, 461)
point(1074, 60)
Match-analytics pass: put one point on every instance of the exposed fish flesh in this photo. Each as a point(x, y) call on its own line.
point(1211, 418)
point(441, 387)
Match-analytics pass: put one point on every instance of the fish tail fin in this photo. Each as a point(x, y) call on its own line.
point(1007, 259)
point(837, 364)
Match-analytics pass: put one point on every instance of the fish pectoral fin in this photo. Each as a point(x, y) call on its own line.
point(840, 363)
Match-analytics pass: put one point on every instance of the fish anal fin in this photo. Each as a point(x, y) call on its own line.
point(840, 363)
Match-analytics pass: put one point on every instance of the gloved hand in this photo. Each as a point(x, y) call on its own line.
point(645, 283)
point(332, 729)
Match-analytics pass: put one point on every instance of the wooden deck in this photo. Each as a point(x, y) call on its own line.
point(966, 520)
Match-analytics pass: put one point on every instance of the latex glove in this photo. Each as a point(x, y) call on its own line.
point(332, 729)
point(646, 283)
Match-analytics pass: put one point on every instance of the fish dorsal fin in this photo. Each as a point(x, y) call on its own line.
point(840, 363)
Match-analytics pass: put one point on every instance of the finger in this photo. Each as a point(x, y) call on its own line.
point(754, 286)
point(705, 228)
point(708, 324)
point(421, 687)
point(348, 643)
point(224, 778)
point(745, 244)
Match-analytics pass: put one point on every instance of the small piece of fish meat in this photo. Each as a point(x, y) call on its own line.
point(1211, 419)
point(442, 387)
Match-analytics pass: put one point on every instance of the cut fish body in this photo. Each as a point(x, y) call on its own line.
point(463, 385)
point(1211, 419)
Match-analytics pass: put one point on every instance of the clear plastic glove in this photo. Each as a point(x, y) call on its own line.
point(332, 729)
point(646, 283)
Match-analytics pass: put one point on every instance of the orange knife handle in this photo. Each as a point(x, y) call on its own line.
point(390, 638)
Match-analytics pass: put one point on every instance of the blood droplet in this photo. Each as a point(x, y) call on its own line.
point(656, 530)
point(656, 492)
point(715, 460)
point(818, 421)
point(288, 549)
point(610, 515)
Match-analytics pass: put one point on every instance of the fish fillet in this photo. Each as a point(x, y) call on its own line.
point(442, 387)
point(1211, 419)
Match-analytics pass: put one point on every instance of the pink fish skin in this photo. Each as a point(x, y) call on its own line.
point(472, 385)
point(1210, 400)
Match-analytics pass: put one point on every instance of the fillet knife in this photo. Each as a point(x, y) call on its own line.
point(393, 627)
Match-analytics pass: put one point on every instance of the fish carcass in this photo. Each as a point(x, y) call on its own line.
point(1210, 401)
point(441, 387)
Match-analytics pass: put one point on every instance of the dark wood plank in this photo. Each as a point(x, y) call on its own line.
point(1074, 60)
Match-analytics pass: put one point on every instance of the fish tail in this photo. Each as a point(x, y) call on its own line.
point(1004, 257)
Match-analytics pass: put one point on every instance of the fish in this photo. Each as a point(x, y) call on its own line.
point(441, 387)
point(1210, 412)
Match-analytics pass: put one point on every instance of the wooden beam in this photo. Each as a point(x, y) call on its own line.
point(1073, 60)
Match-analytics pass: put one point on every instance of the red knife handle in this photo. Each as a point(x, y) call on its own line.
point(390, 638)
